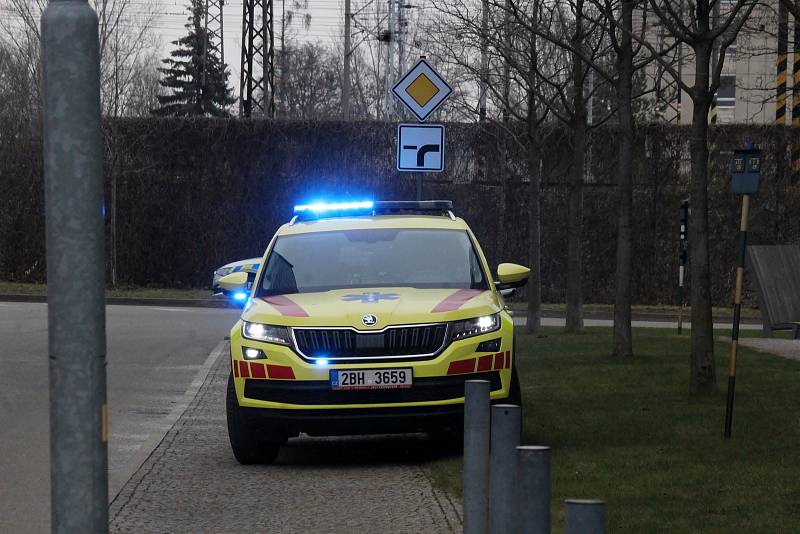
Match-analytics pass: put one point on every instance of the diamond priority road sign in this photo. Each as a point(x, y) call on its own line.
point(422, 90)
point(420, 147)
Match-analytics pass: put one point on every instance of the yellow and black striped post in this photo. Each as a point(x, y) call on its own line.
point(745, 176)
point(783, 38)
point(682, 261)
point(796, 103)
point(737, 313)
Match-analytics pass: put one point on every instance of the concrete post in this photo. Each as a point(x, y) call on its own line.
point(533, 468)
point(585, 517)
point(476, 456)
point(73, 172)
point(506, 430)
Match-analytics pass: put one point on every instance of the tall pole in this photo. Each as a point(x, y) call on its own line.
point(389, 108)
point(737, 313)
point(484, 81)
point(347, 52)
point(795, 175)
point(683, 256)
point(205, 49)
point(73, 173)
point(222, 33)
point(783, 38)
point(401, 45)
point(283, 65)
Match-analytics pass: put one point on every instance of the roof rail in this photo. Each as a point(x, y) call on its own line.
point(385, 207)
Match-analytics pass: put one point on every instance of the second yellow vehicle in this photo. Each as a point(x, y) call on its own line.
point(367, 318)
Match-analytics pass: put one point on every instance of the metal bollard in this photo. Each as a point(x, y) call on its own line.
point(533, 468)
point(585, 516)
point(73, 172)
point(506, 429)
point(476, 456)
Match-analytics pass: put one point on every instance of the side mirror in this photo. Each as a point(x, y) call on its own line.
point(511, 275)
point(234, 282)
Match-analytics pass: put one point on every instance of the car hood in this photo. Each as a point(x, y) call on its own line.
point(390, 306)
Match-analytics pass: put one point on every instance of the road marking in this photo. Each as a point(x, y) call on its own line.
point(172, 309)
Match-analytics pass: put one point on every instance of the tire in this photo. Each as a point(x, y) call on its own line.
point(246, 446)
point(515, 393)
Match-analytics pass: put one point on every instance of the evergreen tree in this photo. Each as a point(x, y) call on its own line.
point(182, 74)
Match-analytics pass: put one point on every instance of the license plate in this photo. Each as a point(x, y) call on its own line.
point(371, 378)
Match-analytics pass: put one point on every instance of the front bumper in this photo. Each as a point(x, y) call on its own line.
point(285, 382)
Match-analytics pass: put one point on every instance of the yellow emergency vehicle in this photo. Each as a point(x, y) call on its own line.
point(367, 318)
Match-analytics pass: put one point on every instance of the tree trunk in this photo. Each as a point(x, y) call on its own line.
point(622, 344)
point(703, 377)
point(574, 321)
point(534, 319)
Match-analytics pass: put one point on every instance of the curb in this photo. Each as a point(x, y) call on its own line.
point(646, 316)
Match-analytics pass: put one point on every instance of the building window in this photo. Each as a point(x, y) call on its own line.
point(726, 94)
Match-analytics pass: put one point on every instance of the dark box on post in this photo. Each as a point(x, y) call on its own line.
point(746, 171)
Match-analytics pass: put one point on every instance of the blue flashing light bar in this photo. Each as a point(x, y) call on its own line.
point(322, 361)
point(323, 207)
point(319, 210)
point(240, 296)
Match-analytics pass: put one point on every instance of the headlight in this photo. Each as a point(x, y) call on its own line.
point(265, 332)
point(476, 326)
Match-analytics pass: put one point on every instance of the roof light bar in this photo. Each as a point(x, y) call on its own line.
point(323, 207)
point(319, 210)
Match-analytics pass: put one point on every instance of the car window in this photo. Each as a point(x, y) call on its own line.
point(421, 258)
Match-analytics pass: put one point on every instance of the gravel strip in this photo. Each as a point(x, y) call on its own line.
point(786, 348)
point(192, 483)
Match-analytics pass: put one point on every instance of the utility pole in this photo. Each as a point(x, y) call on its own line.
point(258, 50)
point(213, 24)
point(280, 87)
point(506, 64)
point(390, 77)
point(484, 81)
point(401, 46)
point(347, 53)
point(205, 48)
point(73, 174)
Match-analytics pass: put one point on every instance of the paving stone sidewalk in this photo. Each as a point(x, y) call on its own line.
point(192, 483)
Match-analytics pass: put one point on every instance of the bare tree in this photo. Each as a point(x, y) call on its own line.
point(707, 35)
point(125, 36)
point(311, 87)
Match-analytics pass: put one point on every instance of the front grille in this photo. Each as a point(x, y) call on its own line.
point(347, 344)
point(319, 392)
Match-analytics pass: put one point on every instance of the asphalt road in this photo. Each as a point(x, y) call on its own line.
point(157, 360)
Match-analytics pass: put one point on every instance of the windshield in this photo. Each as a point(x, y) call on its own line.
point(346, 259)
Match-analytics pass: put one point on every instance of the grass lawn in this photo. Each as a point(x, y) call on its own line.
point(628, 432)
point(12, 288)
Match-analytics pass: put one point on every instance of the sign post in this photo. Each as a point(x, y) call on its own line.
point(744, 181)
point(420, 147)
point(682, 261)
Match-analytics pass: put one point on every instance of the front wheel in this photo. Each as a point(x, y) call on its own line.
point(246, 446)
